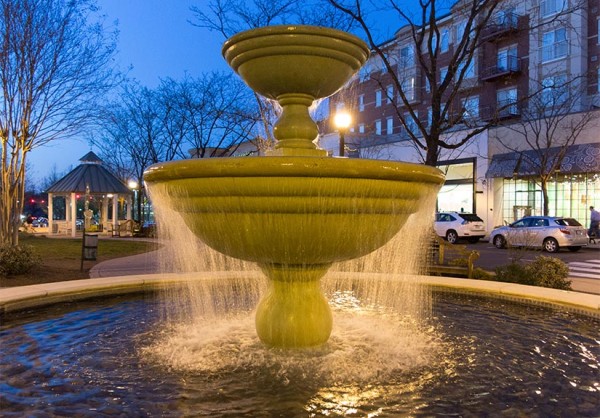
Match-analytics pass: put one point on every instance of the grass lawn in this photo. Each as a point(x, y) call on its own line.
point(60, 258)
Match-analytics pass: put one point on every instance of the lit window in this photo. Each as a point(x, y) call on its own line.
point(378, 98)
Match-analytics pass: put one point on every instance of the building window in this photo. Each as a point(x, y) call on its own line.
point(551, 7)
point(361, 102)
point(443, 74)
point(408, 88)
point(469, 72)
point(429, 116)
point(365, 73)
point(383, 66)
point(389, 125)
point(598, 80)
point(507, 101)
point(554, 91)
point(445, 40)
point(554, 44)
point(460, 30)
point(507, 59)
point(377, 98)
point(377, 127)
point(361, 128)
point(389, 93)
point(470, 108)
point(427, 85)
point(411, 124)
point(407, 57)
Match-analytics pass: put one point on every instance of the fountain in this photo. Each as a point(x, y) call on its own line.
point(296, 211)
point(485, 349)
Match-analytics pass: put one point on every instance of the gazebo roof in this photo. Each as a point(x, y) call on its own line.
point(90, 173)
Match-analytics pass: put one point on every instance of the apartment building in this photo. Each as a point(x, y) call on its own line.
point(532, 57)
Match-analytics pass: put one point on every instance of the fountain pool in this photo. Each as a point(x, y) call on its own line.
point(475, 355)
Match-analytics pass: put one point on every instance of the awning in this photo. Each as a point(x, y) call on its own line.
point(580, 158)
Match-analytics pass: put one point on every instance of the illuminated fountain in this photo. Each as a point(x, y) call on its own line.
point(484, 349)
point(296, 211)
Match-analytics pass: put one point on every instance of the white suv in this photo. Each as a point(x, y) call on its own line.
point(455, 225)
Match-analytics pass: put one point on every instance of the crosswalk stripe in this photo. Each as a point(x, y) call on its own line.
point(586, 275)
point(586, 269)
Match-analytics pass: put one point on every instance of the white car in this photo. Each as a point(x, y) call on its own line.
point(546, 232)
point(455, 225)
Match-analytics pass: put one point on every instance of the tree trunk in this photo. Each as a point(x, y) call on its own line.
point(544, 184)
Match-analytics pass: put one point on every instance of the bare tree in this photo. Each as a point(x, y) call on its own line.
point(219, 113)
point(131, 134)
point(54, 68)
point(551, 122)
point(447, 90)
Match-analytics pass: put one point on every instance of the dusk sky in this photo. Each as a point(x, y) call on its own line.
point(157, 41)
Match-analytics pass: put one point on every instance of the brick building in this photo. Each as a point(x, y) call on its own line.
point(546, 51)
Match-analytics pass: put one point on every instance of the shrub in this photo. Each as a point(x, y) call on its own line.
point(17, 260)
point(481, 274)
point(550, 272)
point(543, 271)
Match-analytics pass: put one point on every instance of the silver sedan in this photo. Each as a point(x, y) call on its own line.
point(546, 232)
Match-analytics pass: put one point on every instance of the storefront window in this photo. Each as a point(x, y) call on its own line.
point(569, 195)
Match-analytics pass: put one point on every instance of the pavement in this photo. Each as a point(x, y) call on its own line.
point(584, 276)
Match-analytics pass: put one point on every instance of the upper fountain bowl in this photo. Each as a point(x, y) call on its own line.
point(277, 60)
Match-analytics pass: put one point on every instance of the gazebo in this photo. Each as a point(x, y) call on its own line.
point(92, 181)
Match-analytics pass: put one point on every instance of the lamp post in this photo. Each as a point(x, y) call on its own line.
point(133, 185)
point(342, 121)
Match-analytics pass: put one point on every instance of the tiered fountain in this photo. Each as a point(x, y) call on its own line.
point(296, 211)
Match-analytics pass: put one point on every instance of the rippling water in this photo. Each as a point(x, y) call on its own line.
point(474, 357)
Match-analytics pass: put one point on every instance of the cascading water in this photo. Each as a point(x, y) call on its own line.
point(396, 348)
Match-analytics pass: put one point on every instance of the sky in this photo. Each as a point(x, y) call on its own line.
point(157, 41)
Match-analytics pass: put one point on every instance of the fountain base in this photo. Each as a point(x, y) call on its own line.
point(294, 313)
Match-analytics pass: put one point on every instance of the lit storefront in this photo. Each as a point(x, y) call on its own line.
point(571, 191)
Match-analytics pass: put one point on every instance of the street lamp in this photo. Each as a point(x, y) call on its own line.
point(133, 185)
point(342, 121)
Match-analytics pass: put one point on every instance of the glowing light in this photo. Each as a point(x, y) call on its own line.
point(342, 120)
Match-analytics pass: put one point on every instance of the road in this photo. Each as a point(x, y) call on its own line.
point(584, 265)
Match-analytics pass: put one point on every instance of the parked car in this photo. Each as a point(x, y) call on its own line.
point(455, 225)
point(39, 222)
point(546, 232)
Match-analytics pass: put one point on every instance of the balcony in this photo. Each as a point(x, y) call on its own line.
point(502, 111)
point(500, 26)
point(506, 67)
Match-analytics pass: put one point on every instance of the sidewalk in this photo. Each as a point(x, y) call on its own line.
point(145, 263)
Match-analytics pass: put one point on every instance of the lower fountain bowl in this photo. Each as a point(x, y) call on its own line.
point(294, 210)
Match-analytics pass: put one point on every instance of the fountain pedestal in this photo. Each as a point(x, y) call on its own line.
point(296, 211)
